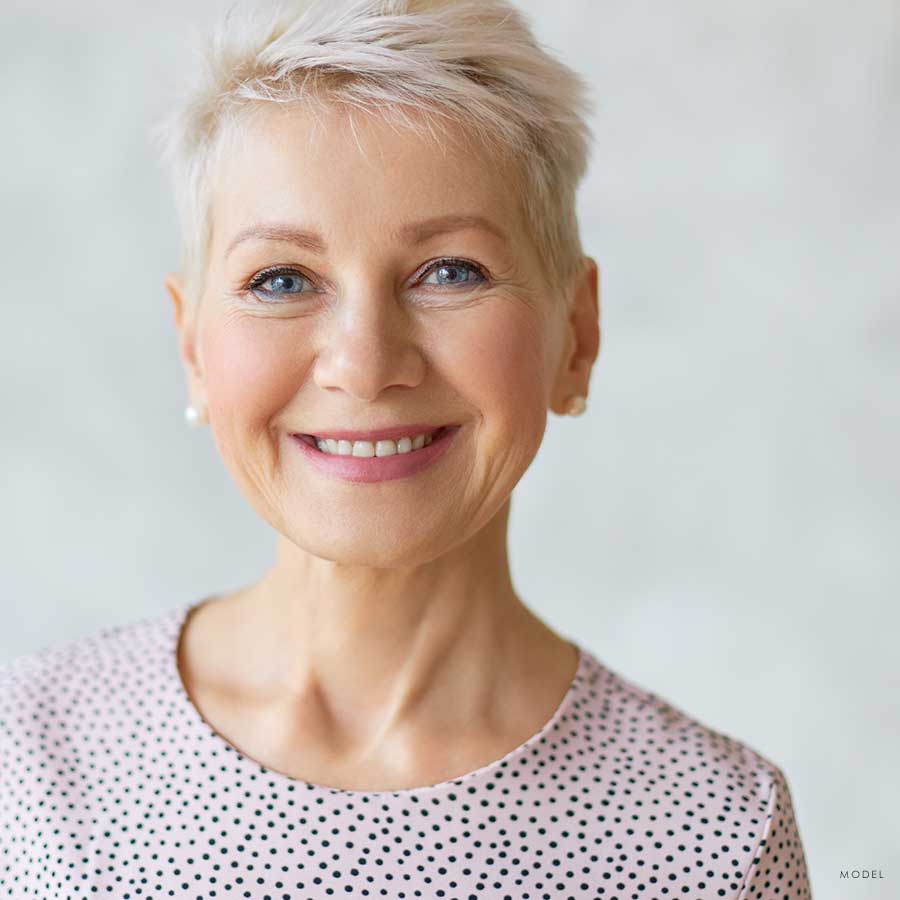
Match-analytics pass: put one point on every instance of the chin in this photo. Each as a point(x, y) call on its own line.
point(387, 548)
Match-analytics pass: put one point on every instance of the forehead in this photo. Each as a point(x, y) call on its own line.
point(343, 170)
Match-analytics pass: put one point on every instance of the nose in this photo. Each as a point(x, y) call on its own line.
point(369, 346)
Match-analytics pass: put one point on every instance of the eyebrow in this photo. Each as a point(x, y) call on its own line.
point(413, 233)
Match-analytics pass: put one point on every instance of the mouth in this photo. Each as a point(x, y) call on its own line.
point(338, 444)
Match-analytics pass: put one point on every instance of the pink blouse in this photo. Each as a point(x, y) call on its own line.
point(113, 785)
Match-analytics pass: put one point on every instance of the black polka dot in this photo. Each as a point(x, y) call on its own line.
point(112, 784)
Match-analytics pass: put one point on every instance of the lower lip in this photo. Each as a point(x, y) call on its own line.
point(377, 468)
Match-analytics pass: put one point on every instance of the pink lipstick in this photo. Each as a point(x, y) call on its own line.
point(376, 468)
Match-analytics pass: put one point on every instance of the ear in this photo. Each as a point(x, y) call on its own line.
point(186, 327)
point(582, 338)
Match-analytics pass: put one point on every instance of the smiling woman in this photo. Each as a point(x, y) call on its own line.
point(382, 296)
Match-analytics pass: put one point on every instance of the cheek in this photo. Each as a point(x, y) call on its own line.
point(500, 362)
point(252, 368)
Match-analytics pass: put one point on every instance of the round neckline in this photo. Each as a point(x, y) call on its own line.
point(178, 619)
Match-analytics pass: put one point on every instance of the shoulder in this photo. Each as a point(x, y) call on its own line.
point(686, 769)
point(89, 651)
point(72, 714)
point(41, 689)
point(663, 731)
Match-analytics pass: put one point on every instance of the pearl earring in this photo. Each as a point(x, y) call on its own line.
point(194, 416)
point(577, 405)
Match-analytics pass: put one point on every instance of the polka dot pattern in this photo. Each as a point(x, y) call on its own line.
point(112, 784)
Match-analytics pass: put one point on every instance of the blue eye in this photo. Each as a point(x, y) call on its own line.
point(286, 283)
point(283, 282)
point(454, 271)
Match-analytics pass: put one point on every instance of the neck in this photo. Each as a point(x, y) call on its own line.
point(384, 646)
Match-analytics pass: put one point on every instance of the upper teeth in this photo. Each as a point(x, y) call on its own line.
point(372, 448)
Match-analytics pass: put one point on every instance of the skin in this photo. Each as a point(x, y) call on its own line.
point(385, 648)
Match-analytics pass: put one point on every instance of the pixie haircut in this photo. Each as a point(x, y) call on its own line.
point(471, 64)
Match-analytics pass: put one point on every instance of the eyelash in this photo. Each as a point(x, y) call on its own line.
point(256, 282)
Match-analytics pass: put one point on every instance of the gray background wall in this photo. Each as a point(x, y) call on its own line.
point(720, 527)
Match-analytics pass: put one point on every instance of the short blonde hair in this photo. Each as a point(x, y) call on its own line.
point(474, 62)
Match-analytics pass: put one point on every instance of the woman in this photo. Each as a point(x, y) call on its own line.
point(383, 294)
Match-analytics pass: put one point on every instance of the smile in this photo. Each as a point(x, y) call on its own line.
point(375, 460)
point(379, 448)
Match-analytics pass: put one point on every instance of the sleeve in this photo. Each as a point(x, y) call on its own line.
point(778, 868)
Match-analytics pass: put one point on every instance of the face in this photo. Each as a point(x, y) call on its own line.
point(341, 295)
